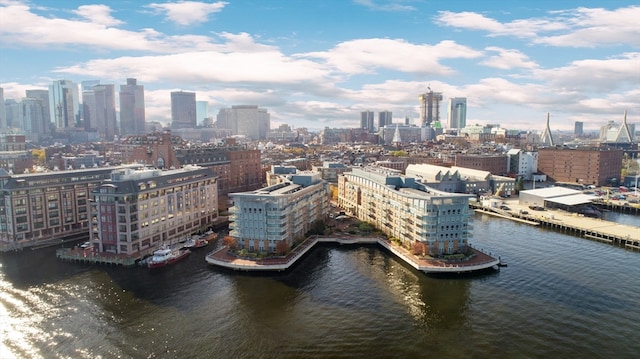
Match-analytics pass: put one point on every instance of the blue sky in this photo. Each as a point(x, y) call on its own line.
point(319, 63)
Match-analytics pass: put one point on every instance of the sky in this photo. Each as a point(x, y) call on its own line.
point(318, 64)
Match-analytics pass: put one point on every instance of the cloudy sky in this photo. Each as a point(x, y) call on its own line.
point(319, 63)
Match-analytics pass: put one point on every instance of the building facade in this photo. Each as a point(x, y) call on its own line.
point(245, 120)
point(272, 218)
point(407, 210)
point(64, 104)
point(132, 110)
point(139, 210)
point(589, 166)
point(457, 112)
point(366, 120)
point(385, 118)
point(99, 111)
point(496, 164)
point(183, 109)
point(41, 207)
point(430, 107)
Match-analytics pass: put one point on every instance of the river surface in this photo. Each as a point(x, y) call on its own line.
point(560, 297)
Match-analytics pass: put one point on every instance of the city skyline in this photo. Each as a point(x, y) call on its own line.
point(322, 64)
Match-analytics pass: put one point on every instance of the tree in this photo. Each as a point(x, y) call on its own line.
point(419, 248)
point(230, 242)
point(282, 248)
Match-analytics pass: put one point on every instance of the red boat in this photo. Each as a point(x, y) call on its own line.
point(165, 257)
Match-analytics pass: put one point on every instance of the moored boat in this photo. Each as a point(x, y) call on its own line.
point(195, 242)
point(166, 256)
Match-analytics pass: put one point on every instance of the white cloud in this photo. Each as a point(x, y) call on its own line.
point(97, 14)
point(186, 13)
point(508, 59)
point(390, 6)
point(364, 56)
point(581, 27)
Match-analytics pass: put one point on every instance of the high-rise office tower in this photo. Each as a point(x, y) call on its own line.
point(132, 113)
point(30, 115)
point(183, 109)
point(99, 104)
point(579, 128)
point(430, 107)
point(202, 111)
point(64, 104)
point(245, 120)
point(366, 120)
point(43, 97)
point(457, 114)
point(3, 113)
point(384, 118)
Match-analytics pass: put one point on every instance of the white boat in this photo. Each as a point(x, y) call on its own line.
point(166, 256)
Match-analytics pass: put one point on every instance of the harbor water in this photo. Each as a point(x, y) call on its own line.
point(560, 297)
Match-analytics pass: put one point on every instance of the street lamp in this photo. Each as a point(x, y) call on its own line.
point(636, 190)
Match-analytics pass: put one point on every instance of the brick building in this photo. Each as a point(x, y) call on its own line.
point(591, 166)
point(496, 164)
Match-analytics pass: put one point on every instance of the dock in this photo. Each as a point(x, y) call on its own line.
point(479, 261)
point(621, 235)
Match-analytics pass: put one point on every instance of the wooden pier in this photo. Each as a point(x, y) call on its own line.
point(622, 235)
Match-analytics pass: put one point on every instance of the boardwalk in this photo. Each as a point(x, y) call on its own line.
point(222, 257)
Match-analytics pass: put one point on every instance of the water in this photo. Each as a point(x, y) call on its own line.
point(560, 297)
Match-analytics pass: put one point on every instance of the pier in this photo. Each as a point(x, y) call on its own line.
point(622, 235)
point(479, 261)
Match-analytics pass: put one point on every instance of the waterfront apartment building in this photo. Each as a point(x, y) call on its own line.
point(406, 209)
point(39, 208)
point(586, 165)
point(272, 218)
point(138, 210)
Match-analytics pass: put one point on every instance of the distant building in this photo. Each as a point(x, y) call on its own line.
point(406, 134)
point(578, 128)
point(138, 210)
point(457, 113)
point(495, 164)
point(406, 209)
point(99, 111)
point(183, 109)
point(385, 118)
point(132, 108)
point(272, 218)
point(366, 120)
point(43, 124)
point(154, 149)
point(245, 120)
point(330, 171)
point(430, 107)
point(3, 113)
point(14, 156)
point(590, 166)
point(522, 163)
point(64, 104)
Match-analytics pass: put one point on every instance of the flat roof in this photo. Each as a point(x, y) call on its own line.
point(573, 200)
point(551, 192)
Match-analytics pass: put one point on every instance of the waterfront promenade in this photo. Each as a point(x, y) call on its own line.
point(223, 258)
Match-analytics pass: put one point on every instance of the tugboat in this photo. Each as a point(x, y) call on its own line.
point(166, 256)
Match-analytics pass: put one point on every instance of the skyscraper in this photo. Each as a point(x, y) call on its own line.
point(366, 120)
point(430, 107)
point(99, 105)
point(43, 96)
point(245, 120)
point(457, 114)
point(579, 128)
point(183, 109)
point(64, 104)
point(202, 111)
point(132, 112)
point(3, 113)
point(384, 118)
